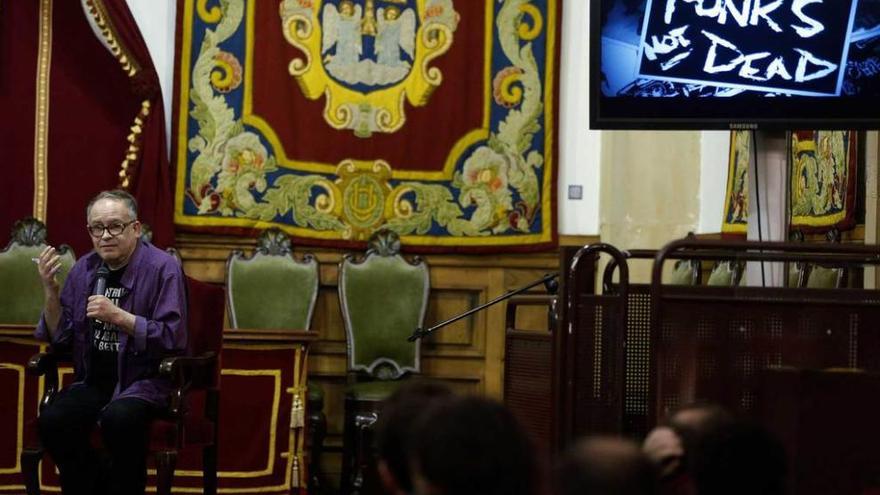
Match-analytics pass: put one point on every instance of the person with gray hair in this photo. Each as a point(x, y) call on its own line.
point(118, 329)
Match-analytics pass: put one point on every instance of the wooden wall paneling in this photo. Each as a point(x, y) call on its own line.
point(468, 355)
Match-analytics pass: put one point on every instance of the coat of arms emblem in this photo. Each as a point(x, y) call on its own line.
point(368, 57)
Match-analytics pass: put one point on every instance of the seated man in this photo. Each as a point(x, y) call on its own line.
point(118, 339)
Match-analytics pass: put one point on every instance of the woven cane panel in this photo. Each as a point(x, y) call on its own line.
point(587, 403)
point(716, 349)
point(527, 383)
point(598, 377)
point(638, 361)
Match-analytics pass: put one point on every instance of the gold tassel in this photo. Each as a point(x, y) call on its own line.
point(297, 413)
point(294, 483)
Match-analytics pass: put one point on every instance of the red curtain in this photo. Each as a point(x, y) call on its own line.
point(88, 118)
point(151, 179)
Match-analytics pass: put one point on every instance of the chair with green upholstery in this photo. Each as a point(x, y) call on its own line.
point(383, 298)
point(20, 288)
point(271, 289)
point(812, 275)
point(685, 272)
point(797, 275)
point(726, 274)
point(827, 277)
point(796, 272)
point(821, 277)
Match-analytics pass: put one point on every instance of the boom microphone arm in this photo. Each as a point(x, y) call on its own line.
point(549, 281)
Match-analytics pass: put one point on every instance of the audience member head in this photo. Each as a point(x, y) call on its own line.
point(736, 458)
point(694, 420)
point(395, 428)
point(667, 446)
point(605, 466)
point(472, 446)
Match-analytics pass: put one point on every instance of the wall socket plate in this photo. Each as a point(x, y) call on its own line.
point(575, 191)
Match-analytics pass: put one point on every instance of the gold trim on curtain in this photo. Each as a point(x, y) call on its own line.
point(96, 9)
point(131, 67)
point(41, 127)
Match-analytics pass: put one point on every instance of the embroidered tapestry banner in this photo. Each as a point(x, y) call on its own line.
point(736, 201)
point(334, 118)
point(823, 174)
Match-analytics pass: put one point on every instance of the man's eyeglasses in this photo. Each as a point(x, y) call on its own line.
point(114, 229)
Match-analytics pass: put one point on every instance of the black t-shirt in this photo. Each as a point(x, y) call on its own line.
point(103, 371)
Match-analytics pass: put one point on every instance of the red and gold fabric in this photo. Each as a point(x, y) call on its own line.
point(21, 399)
point(823, 173)
point(262, 419)
point(83, 113)
point(736, 201)
point(334, 118)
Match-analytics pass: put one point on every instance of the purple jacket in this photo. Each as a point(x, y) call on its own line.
point(156, 296)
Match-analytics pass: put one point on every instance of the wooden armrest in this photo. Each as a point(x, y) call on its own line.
point(46, 363)
point(171, 367)
point(185, 373)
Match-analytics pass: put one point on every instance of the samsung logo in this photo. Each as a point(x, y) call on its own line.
point(743, 126)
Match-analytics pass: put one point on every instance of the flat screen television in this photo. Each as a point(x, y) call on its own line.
point(735, 64)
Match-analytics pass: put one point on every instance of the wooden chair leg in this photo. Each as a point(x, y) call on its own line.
point(358, 456)
point(209, 469)
point(364, 455)
point(317, 433)
point(349, 440)
point(166, 461)
point(30, 469)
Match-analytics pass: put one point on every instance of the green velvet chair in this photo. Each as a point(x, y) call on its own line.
point(273, 290)
point(796, 272)
point(828, 277)
point(383, 298)
point(20, 288)
point(685, 272)
point(797, 276)
point(816, 276)
point(821, 277)
point(726, 274)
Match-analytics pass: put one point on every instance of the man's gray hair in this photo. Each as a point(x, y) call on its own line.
point(116, 195)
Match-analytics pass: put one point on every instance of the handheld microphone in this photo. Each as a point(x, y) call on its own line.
point(100, 283)
point(101, 280)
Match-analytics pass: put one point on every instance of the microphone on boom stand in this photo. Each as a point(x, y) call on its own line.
point(549, 281)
